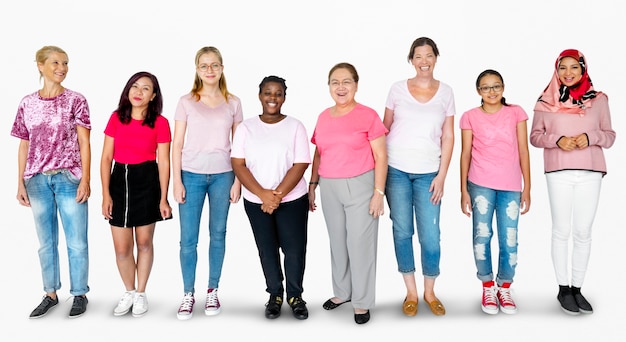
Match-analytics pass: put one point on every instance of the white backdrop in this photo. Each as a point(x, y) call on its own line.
point(109, 41)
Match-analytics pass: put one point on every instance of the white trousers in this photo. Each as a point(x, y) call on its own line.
point(574, 196)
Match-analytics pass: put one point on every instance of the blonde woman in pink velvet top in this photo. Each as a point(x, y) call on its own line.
point(572, 123)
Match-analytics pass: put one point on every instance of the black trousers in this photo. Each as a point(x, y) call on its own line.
point(285, 229)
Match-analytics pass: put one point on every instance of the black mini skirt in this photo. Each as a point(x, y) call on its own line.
point(136, 194)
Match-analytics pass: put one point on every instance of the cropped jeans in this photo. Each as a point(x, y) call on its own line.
point(408, 197)
point(506, 206)
point(52, 196)
point(198, 187)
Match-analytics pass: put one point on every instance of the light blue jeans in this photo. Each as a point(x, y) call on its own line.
point(408, 196)
point(198, 187)
point(506, 206)
point(52, 196)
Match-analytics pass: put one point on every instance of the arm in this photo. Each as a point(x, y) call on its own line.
point(269, 201)
point(106, 163)
point(84, 189)
point(180, 127)
point(22, 155)
point(466, 158)
point(315, 178)
point(235, 189)
point(447, 144)
point(388, 118)
point(604, 136)
point(163, 162)
point(379, 150)
point(291, 179)
point(524, 159)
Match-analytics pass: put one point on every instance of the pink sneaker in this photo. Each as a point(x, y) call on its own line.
point(212, 306)
point(185, 311)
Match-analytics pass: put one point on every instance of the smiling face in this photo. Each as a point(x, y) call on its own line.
point(272, 97)
point(342, 86)
point(141, 93)
point(570, 72)
point(491, 88)
point(209, 68)
point(54, 68)
point(424, 60)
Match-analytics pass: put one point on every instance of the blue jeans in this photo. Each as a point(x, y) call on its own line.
point(408, 195)
point(505, 204)
point(52, 196)
point(285, 229)
point(197, 187)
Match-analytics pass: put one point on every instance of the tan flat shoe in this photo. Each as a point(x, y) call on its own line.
point(409, 307)
point(436, 307)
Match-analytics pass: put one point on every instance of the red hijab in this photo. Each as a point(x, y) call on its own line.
point(560, 98)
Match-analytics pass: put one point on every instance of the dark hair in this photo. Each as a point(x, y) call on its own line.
point(155, 107)
point(421, 41)
point(275, 79)
point(494, 73)
point(351, 69)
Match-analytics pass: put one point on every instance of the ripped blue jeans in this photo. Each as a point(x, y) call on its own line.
point(506, 205)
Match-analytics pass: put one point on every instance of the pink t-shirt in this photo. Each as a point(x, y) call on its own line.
point(495, 162)
point(207, 142)
point(343, 142)
point(270, 150)
point(49, 125)
point(135, 143)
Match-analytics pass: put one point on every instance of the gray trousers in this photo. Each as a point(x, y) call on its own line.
point(353, 236)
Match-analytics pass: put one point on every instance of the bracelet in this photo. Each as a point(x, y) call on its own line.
point(379, 191)
point(314, 183)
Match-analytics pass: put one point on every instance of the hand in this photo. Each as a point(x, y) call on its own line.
point(436, 188)
point(312, 205)
point(377, 205)
point(22, 195)
point(466, 204)
point(179, 192)
point(107, 207)
point(235, 193)
point(83, 192)
point(166, 210)
point(582, 141)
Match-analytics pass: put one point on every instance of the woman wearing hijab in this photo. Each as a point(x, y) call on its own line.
point(572, 123)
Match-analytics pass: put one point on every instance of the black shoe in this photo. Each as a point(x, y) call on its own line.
point(330, 305)
point(272, 308)
point(298, 307)
point(567, 300)
point(581, 301)
point(46, 304)
point(362, 318)
point(79, 306)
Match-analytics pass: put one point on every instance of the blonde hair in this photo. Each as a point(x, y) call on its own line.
point(42, 55)
point(197, 83)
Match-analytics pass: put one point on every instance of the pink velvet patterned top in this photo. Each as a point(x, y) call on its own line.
point(49, 125)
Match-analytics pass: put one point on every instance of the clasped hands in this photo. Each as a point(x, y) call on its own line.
point(271, 200)
point(570, 143)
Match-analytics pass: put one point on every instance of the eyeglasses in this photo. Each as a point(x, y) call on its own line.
point(496, 88)
point(345, 83)
point(206, 67)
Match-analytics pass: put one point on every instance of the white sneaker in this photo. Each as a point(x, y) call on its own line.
point(125, 303)
point(212, 306)
point(185, 311)
point(140, 304)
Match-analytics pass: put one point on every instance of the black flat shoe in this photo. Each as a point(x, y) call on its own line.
point(362, 318)
point(298, 308)
point(581, 301)
point(272, 308)
point(330, 305)
point(567, 301)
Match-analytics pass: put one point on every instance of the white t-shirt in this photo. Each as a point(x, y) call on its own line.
point(270, 150)
point(414, 139)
